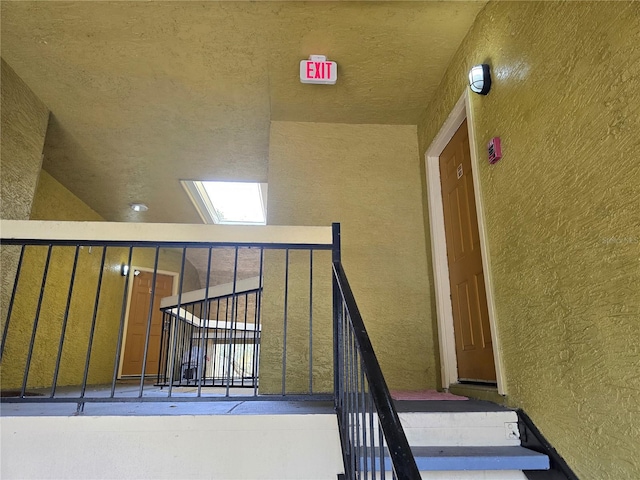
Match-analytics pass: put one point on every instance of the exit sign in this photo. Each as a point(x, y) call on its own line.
point(318, 70)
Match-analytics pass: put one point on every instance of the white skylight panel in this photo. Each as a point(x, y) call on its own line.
point(236, 202)
point(229, 203)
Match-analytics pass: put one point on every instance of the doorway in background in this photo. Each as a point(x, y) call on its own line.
point(138, 320)
point(461, 111)
point(474, 346)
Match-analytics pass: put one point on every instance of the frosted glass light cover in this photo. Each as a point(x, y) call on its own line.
point(480, 79)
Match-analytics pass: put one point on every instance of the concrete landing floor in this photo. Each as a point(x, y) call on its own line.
point(258, 406)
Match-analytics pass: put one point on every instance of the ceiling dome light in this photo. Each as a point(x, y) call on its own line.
point(138, 207)
point(480, 79)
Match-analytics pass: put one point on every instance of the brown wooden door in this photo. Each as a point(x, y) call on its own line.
point(474, 350)
point(137, 324)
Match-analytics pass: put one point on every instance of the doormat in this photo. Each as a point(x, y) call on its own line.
point(425, 395)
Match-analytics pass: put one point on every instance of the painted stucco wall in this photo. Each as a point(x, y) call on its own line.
point(53, 201)
point(367, 178)
point(297, 304)
point(563, 217)
point(23, 127)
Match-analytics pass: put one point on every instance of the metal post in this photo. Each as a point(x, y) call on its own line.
point(125, 293)
point(284, 326)
point(337, 309)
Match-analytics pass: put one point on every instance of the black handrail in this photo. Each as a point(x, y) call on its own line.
point(404, 464)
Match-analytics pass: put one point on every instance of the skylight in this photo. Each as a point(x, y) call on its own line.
point(229, 203)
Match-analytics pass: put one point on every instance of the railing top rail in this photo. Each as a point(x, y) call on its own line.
point(401, 456)
point(40, 231)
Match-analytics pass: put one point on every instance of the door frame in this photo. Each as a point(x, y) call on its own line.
point(444, 309)
point(130, 277)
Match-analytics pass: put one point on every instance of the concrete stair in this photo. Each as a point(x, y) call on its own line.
point(466, 440)
point(451, 440)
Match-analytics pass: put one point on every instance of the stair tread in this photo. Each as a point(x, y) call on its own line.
point(448, 406)
point(476, 458)
point(479, 458)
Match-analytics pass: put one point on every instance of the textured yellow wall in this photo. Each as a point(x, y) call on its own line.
point(563, 216)
point(367, 178)
point(298, 308)
point(54, 202)
point(24, 125)
point(23, 119)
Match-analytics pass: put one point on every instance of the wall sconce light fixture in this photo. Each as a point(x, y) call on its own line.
point(480, 79)
point(138, 207)
point(124, 270)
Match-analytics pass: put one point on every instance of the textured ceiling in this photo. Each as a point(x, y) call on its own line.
point(146, 93)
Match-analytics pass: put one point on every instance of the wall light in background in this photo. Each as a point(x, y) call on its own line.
point(480, 79)
point(124, 270)
point(139, 207)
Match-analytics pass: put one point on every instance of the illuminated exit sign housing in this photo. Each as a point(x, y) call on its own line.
point(318, 70)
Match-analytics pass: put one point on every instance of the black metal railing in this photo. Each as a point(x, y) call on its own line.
point(70, 332)
point(150, 321)
point(374, 444)
point(217, 342)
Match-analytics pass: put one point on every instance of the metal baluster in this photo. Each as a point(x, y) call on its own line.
point(149, 317)
point(338, 306)
point(125, 292)
point(354, 401)
point(93, 328)
point(310, 322)
point(190, 329)
point(204, 331)
point(371, 429)
point(257, 332)
point(162, 361)
point(343, 383)
point(5, 331)
point(63, 330)
point(365, 452)
point(233, 345)
point(209, 339)
point(383, 470)
point(351, 422)
point(216, 366)
point(244, 336)
point(35, 322)
point(169, 324)
point(284, 334)
point(233, 311)
point(175, 339)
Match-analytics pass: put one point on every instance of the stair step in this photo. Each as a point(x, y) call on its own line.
point(479, 458)
point(457, 429)
point(473, 458)
point(473, 429)
point(475, 475)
